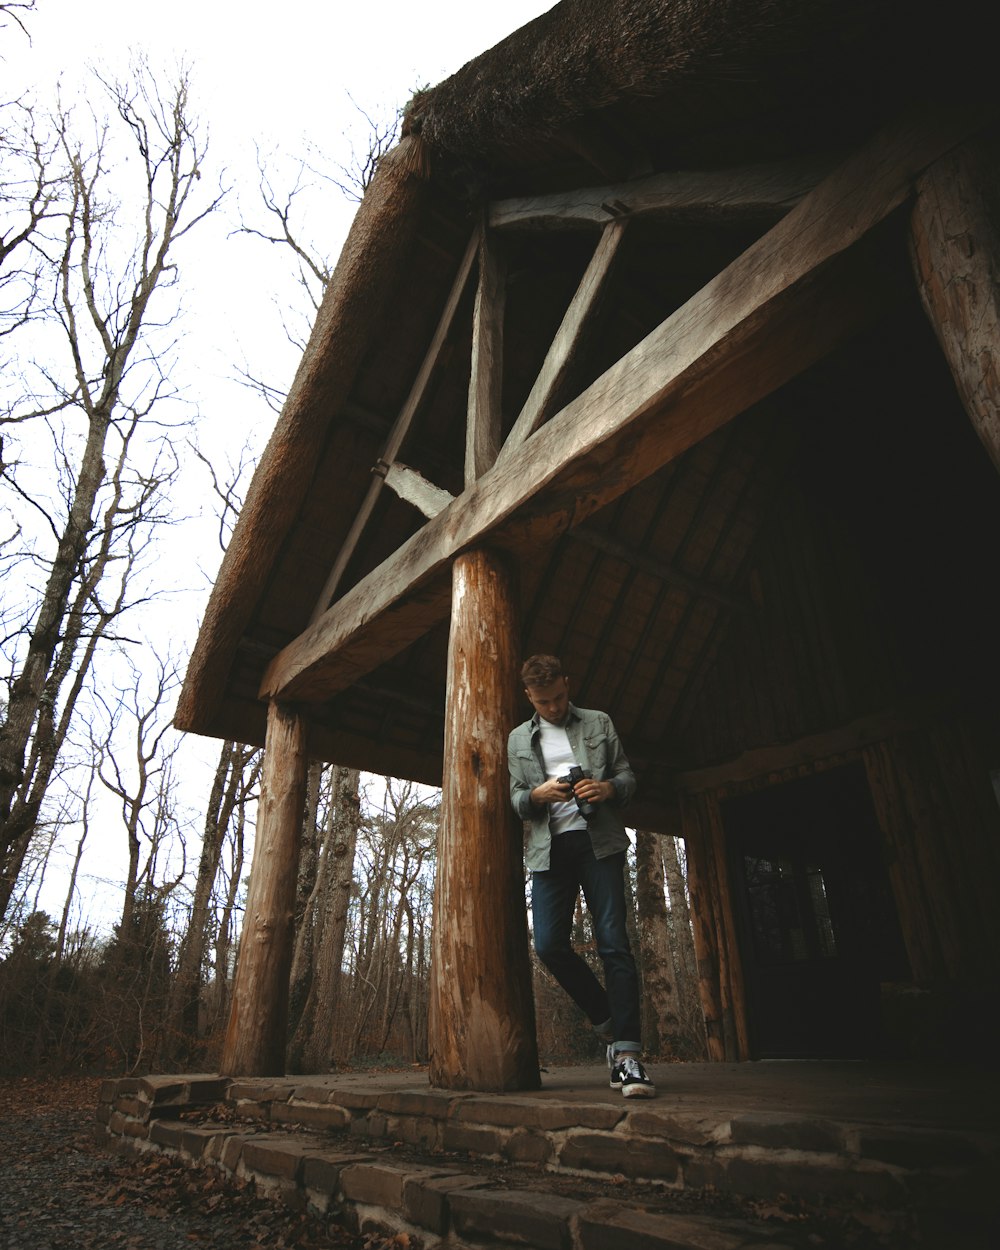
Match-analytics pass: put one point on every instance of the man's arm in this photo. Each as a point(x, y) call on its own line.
point(520, 787)
point(622, 777)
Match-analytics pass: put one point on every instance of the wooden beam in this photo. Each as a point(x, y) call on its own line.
point(401, 426)
point(955, 242)
point(412, 486)
point(766, 192)
point(663, 572)
point(786, 302)
point(255, 1036)
point(482, 431)
point(844, 740)
point(482, 1020)
point(564, 346)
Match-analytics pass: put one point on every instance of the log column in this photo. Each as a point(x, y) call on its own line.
point(482, 1020)
point(955, 244)
point(258, 1017)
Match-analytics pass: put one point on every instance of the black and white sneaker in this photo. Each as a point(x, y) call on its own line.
point(630, 1077)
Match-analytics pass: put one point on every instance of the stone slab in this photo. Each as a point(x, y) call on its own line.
point(426, 1199)
point(321, 1169)
point(376, 1184)
point(614, 1226)
point(310, 1114)
point(783, 1132)
point(525, 1217)
point(638, 1158)
point(509, 1112)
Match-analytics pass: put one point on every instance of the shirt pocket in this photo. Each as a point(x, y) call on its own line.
point(597, 753)
point(528, 766)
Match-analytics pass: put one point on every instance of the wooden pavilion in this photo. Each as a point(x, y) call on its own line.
point(666, 339)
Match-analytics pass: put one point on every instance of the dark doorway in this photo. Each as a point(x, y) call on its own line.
point(818, 929)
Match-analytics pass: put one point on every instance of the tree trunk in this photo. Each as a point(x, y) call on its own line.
point(185, 991)
point(659, 1017)
point(692, 1018)
point(224, 936)
point(482, 1027)
point(255, 1038)
point(312, 1047)
point(306, 893)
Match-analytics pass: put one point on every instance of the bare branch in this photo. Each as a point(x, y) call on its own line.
point(13, 9)
point(105, 301)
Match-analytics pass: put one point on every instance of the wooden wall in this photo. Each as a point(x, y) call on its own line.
point(874, 640)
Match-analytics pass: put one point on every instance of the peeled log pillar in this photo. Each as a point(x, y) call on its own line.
point(482, 1020)
point(955, 245)
point(258, 1017)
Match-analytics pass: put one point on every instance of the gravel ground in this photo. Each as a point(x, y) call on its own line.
point(60, 1190)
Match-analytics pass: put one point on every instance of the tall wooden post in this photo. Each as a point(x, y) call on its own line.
point(258, 1017)
point(482, 1020)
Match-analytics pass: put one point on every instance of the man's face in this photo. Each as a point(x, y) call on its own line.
point(551, 702)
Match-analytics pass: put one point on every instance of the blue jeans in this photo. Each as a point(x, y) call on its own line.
point(574, 867)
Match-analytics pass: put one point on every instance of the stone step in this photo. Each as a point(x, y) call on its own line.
point(458, 1169)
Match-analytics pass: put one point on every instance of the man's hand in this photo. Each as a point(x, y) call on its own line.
point(594, 791)
point(553, 791)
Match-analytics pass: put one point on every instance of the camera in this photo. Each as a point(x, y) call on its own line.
point(575, 774)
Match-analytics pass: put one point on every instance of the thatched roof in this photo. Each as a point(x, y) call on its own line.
point(592, 90)
point(631, 85)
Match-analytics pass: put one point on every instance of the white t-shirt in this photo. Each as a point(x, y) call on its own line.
point(557, 755)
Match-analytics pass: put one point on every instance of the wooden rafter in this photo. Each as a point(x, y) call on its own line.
point(401, 426)
point(566, 342)
point(696, 586)
point(412, 486)
point(761, 191)
point(482, 438)
point(784, 303)
point(956, 255)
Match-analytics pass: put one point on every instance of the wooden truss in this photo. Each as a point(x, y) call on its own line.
point(811, 281)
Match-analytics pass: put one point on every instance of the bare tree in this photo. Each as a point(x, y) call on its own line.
point(325, 917)
point(660, 1020)
point(144, 786)
point(32, 193)
point(95, 382)
point(15, 11)
point(228, 785)
point(692, 1017)
point(290, 203)
point(228, 889)
point(395, 868)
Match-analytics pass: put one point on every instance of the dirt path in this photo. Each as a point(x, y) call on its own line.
point(60, 1190)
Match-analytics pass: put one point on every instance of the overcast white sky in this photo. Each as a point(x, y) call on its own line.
point(281, 78)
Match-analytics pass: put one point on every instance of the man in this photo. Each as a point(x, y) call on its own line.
point(576, 840)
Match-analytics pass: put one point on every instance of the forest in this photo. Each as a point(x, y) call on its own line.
point(100, 448)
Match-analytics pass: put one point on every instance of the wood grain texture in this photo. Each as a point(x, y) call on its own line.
point(482, 441)
point(255, 1036)
point(955, 244)
point(744, 191)
point(412, 486)
point(784, 303)
point(401, 426)
point(567, 339)
point(482, 1024)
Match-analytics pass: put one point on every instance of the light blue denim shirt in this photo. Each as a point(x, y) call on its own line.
point(598, 750)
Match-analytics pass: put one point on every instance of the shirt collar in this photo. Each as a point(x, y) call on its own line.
point(571, 714)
